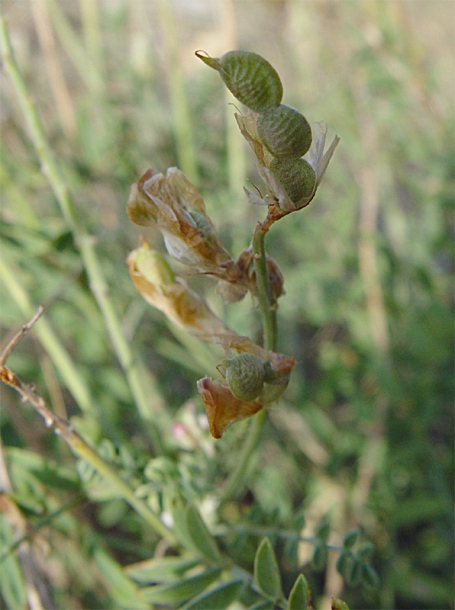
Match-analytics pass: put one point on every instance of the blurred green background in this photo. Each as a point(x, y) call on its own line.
point(365, 433)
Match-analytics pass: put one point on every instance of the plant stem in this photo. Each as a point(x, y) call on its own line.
point(58, 354)
point(178, 96)
point(84, 241)
point(268, 310)
point(83, 450)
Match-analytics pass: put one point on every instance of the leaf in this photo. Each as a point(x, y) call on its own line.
point(299, 595)
point(350, 539)
point(370, 577)
point(121, 589)
point(323, 531)
point(218, 598)
point(162, 569)
point(354, 573)
point(365, 552)
point(265, 604)
point(181, 590)
point(339, 604)
point(266, 571)
point(179, 520)
point(344, 563)
point(12, 584)
point(319, 556)
point(200, 536)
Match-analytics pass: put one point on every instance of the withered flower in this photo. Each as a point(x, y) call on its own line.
point(156, 282)
point(173, 205)
point(222, 407)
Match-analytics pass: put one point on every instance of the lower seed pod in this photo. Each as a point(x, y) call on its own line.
point(296, 176)
point(249, 77)
point(285, 132)
point(245, 376)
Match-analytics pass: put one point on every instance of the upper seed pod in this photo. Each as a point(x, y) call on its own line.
point(249, 77)
point(296, 176)
point(285, 132)
point(245, 376)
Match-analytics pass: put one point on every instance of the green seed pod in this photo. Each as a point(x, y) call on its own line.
point(296, 176)
point(204, 226)
point(245, 376)
point(285, 132)
point(249, 77)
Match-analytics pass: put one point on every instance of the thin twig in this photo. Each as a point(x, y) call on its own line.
point(75, 441)
point(17, 337)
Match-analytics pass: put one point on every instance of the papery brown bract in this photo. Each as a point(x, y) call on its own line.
point(222, 407)
point(172, 295)
point(172, 204)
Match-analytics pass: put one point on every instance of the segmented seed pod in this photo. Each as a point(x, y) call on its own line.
point(245, 376)
point(285, 132)
point(249, 77)
point(296, 176)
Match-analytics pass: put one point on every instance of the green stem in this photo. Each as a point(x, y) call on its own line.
point(267, 307)
point(178, 96)
point(59, 356)
point(268, 310)
point(84, 241)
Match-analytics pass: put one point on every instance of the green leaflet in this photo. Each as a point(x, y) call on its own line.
point(218, 598)
point(121, 589)
point(299, 595)
point(163, 569)
point(181, 590)
point(266, 571)
point(201, 538)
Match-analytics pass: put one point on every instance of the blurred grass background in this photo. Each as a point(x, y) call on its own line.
point(366, 431)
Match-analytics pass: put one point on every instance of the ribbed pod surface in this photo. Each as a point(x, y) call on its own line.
point(249, 77)
point(285, 132)
point(296, 176)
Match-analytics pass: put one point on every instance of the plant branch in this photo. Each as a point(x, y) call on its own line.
point(76, 442)
point(269, 322)
point(266, 304)
point(49, 340)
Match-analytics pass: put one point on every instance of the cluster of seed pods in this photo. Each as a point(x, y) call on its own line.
point(283, 130)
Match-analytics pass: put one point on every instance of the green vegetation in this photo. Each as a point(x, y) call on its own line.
point(344, 487)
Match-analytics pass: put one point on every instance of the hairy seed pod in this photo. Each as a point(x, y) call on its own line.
point(249, 77)
point(245, 376)
point(285, 132)
point(296, 176)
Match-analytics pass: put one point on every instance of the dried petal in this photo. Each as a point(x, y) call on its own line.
point(222, 407)
point(154, 279)
point(171, 203)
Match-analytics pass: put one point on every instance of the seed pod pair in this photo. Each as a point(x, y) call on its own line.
point(286, 133)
